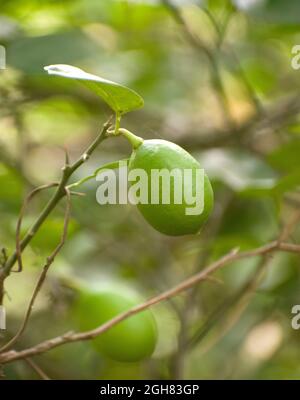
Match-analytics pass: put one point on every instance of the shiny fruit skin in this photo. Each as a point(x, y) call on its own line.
point(133, 339)
point(170, 219)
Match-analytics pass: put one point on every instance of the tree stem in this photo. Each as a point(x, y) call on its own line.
point(57, 196)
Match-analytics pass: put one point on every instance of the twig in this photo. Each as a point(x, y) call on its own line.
point(235, 300)
point(20, 219)
point(216, 79)
point(42, 277)
point(3, 255)
point(37, 369)
point(233, 134)
point(232, 56)
point(242, 298)
point(71, 337)
point(274, 117)
point(289, 227)
point(184, 313)
point(57, 196)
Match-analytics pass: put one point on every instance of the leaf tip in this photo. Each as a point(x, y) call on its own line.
point(62, 69)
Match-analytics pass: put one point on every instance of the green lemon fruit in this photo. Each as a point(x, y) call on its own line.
point(133, 339)
point(171, 218)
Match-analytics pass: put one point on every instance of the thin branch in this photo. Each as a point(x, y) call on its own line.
point(37, 369)
point(220, 31)
point(42, 277)
point(233, 301)
point(274, 117)
point(3, 255)
point(241, 299)
point(289, 227)
point(20, 219)
point(57, 196)
point(89, 151)
point(186, 311)
point(71, 337)
point(196, 42)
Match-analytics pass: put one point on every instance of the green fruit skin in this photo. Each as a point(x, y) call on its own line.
point(170, 219)
point(133, 339)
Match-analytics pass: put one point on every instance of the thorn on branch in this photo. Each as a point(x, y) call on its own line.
point(67, 158)
point(4, 256)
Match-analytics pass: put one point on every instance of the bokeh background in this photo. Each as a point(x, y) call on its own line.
point(217, 78)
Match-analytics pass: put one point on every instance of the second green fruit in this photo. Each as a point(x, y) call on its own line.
point(130, 340)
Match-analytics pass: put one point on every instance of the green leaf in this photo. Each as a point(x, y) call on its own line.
point(272, 11)
point(120, 98)
point(250, 176)
point(11, 189)
point(286, 157)
point(239, 170)
point(50, 233)
point(288, 182)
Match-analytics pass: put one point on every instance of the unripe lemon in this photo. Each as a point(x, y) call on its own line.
point(133, 339)
point(171, 219)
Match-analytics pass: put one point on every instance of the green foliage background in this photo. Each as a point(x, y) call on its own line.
point(246, 134)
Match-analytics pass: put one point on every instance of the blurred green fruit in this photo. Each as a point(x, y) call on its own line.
point(171, 219)
point(133, 339)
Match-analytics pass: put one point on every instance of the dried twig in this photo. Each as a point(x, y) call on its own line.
point(42, 277)
point(220, 31)
point(241, 299)
point(37, 369)
point(202, 48)
point(273, 118)
point(71, 337)
point(20, 219)
point(57, 196)
point(238, 301)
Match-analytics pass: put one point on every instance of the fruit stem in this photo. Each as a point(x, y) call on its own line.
point(135, 141)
